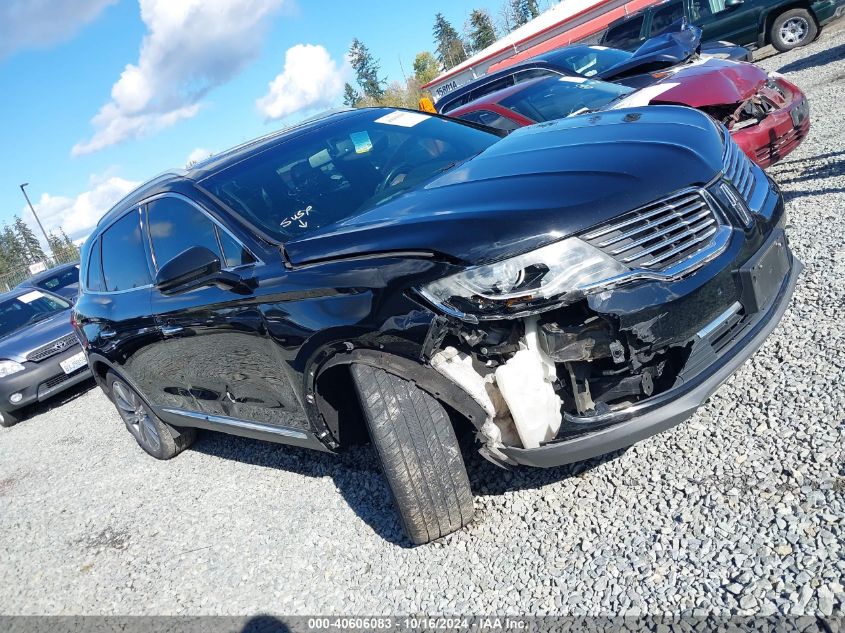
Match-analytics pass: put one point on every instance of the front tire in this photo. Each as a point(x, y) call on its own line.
point(419, 454)
point(793, 28)
point(155, 436)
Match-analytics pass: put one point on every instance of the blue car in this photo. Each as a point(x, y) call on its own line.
point(40, 355)
point(62, 280)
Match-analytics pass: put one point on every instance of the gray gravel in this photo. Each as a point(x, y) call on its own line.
point(740, 510)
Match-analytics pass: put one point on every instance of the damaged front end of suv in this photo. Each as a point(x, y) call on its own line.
point(622, 329)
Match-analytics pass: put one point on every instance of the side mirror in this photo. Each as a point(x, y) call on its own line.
point(189, 269)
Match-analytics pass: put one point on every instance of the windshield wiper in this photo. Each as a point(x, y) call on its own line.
point(40, 317)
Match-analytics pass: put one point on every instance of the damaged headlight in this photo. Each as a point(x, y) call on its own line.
point(560, 271)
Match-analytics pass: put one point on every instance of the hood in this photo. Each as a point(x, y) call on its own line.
point(535, 186)
point(662, 51)
point(18, 344)
point(710, 82)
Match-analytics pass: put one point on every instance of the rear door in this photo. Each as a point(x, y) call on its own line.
point(114, 311)
point(737, 24)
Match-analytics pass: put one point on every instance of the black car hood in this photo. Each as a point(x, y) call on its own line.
point(21, 342)
point(662, 51)
point(535, 186)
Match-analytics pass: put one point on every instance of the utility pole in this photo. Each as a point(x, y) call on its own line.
point(35, 215)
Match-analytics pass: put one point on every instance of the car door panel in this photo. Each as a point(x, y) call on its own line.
point(214, 352)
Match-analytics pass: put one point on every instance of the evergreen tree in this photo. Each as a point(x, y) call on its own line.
point(450, 48)
point(28, 242)
point(482, 32)
point(515, 13)
point(366, 71)
point(425, 67)
point(351, 97)
point(14, 257)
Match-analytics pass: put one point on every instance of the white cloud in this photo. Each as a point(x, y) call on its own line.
point(79, 215)
point(191, 46)
point(310, 79)
point(200, 153)
point(37, 23)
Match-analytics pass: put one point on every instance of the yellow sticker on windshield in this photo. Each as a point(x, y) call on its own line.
point(362, 142)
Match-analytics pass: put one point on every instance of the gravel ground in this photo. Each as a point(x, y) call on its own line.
point(739, 510)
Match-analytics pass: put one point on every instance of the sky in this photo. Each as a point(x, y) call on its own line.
point(100, 95)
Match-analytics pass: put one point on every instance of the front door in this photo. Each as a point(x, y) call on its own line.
point(214, 355)
point(718, 21)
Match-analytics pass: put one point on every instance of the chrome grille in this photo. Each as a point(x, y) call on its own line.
point(658, 235)
point(738, 169)
point(50, 349)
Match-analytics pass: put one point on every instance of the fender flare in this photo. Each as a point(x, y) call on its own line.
point(413, 370)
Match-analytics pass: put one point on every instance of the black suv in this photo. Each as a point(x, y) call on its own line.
point(785, 24)
point(565, 291)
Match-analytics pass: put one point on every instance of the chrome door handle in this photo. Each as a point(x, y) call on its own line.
point(107, 333)
point(171, 330)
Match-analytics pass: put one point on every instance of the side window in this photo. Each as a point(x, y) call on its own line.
point(666, 16)
point(124, 260)
point(493, 86)
point(525, 75)
point(175, 226)
point(485, 117)
point(234, 254)
point(625, 35)
point(703, 9)
point(94, 281)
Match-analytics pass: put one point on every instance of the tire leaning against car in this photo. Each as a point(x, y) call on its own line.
point(419, 454)
point(798, 17)
point(155, 436)
point(8, 419)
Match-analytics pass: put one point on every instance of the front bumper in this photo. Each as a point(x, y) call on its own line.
point(668, 409)
point(40, 381)
point(778, 134)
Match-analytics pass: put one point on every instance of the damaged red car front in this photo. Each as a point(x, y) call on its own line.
point(767, 115)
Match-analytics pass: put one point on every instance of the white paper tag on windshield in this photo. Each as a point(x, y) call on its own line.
point(29, 297)
point(402, 119)
point(573, 80)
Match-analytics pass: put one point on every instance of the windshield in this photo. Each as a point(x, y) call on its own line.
point(550, 99)
point(60, 280)
point(26, 309)
point(343, 168)
point(589, 61)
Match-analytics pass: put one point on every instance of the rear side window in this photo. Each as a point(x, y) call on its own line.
point(94, 281)
point(175, 226)
point(625, 35)
point(664, 17)
point(124, 260)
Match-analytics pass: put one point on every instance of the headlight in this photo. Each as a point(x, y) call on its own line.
point(9, 367)
point(562, 271)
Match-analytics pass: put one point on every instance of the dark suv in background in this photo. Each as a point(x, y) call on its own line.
point(565, 291)
point(785, 24)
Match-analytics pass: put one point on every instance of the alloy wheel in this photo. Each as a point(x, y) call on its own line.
point(794, 30)
point(136, 416)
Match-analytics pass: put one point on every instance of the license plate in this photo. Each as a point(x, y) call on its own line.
point(73, 363)
point(762, 277)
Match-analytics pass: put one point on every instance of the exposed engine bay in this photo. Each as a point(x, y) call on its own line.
point(551, 375)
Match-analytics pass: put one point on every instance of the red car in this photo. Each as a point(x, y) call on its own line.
point(767, 115)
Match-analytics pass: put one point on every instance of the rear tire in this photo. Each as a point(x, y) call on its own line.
point(8, 419)
point(419, 454)
point(793, 28)
point(155, 436)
